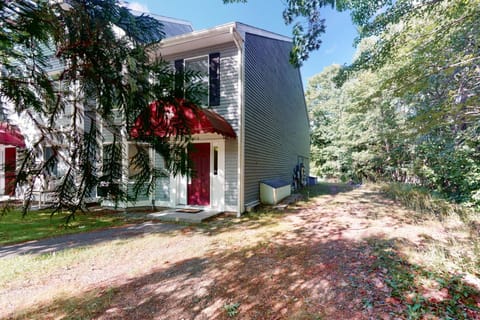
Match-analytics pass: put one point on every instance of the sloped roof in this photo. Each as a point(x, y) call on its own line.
point(229, 32)
point(171, 27)
point(165, 119)
point(10, 135)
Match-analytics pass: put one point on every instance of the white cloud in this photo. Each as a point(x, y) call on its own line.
point(137, 6)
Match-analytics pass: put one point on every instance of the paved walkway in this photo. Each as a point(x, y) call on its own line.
point(85, 239)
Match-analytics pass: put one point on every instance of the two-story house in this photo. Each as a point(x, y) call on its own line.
point(253, 125)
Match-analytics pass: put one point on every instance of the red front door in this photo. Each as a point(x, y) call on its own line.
point(198, 190)
point(10, 162)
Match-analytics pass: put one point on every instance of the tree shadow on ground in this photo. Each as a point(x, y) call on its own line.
point(248, 221)
point(224, 223)
point(285, 278)
point(316, 270)
point(269, 216)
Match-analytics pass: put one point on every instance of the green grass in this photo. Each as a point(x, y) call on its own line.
point(325, 188)
point(421, 200)
point(39, 224)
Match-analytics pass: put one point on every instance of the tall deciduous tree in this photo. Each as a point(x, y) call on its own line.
point(421, 78)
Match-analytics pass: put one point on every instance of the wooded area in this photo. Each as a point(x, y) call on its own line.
point(407, 110)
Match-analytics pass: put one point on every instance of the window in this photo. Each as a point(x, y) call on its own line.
point(209, 69)
point(215, 161)
point(199, 65)
point(50, 158)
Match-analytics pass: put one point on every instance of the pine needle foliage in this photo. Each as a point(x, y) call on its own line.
point(109, 76)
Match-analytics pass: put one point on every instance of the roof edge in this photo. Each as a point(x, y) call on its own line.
point(239, 27)
point(245, 28)
point(163, 18)
point(203, 33)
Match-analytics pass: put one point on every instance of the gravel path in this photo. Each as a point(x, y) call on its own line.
point(85, 239)
point(334, 257)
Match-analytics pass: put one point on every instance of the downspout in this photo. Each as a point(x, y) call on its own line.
point(241, 122)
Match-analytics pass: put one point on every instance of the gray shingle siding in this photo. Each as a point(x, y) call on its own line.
point(276, 120)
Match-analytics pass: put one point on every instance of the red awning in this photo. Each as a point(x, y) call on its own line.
point(165, 119)
point(10, 135)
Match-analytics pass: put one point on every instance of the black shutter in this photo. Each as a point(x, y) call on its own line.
point(179, 79)
point(214, 79)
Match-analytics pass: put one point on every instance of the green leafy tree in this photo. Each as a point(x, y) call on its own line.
point(326, 106)
point(307, 25)
point(415, 89)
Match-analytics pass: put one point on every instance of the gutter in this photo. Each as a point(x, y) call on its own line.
point(195, 40)
point(239, 42)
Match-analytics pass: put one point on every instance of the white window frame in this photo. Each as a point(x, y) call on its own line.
point(205, 103)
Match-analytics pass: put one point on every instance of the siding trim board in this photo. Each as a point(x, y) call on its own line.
point(240, 44)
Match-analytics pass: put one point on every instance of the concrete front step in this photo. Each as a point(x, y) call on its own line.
point(175, 216)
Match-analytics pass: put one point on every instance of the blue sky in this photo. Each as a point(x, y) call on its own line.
point(266, 14)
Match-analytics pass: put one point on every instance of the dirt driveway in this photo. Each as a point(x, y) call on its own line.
point(329, 259)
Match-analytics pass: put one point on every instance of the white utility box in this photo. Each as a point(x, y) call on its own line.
point(272, 191)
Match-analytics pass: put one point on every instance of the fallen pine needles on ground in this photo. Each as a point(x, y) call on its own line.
point(346, 253)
